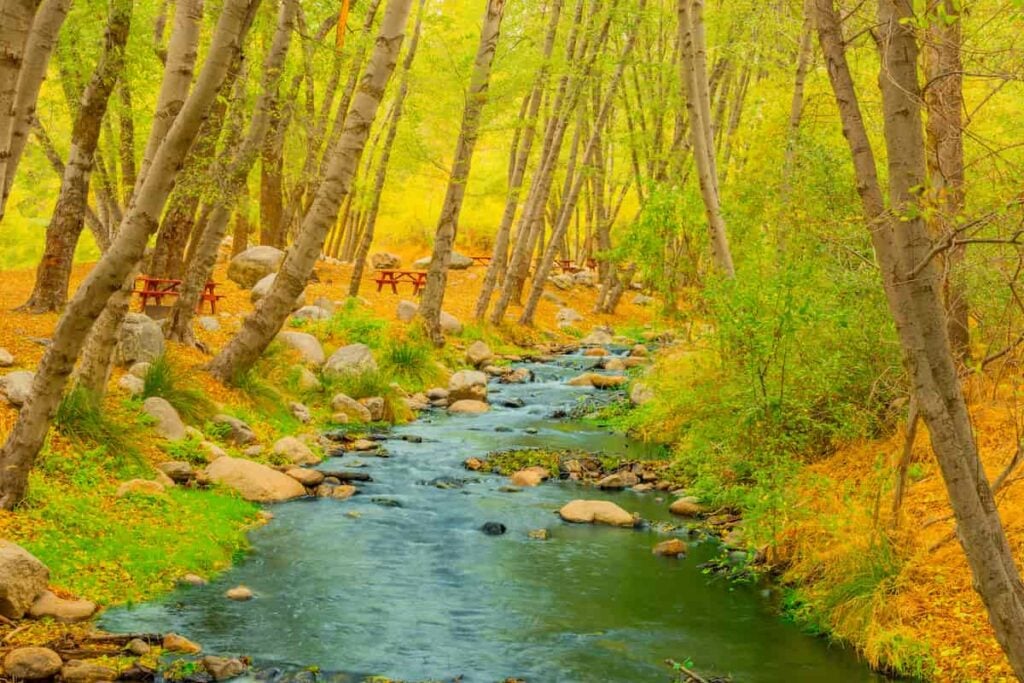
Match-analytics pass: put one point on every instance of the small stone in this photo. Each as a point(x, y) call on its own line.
point(239, 594)
point(17, 386)
point(31, 663)
point(614, 365)
point(168, 423)
point(175, 643)
point(300, 412)
point(670, 548)
point(539, 534)
point(376, 406)
point(618, 481)
point(307, 381)
point(530, 476)
point(478, 353)
point(364, 445)
point(310, 478)
point(639, 351)
point(138, 647)
point(474, 464)
point(209, 323)
point(131, 384)
point(179, 471)
point(493, 528)
point(193, 580)
point(596, 352)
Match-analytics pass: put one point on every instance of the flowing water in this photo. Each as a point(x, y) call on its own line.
point(413, 590)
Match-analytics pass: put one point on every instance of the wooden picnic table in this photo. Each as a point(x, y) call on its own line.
point(481, 260)
point(567, 265)
point(392, 278)
point(156, 288)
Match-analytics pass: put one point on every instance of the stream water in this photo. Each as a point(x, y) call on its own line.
point(413, 590)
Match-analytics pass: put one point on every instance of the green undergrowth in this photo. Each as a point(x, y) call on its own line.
point(166, 381)
point(121, 550)
point(507, 462)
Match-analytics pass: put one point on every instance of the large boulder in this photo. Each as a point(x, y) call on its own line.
point(478, 353)
point(253, 481)
point(295, 452)
point(385, 261)
point(140, 339)
point(467, 385)
point(306, 344)
point(406, 311)
point(450, 324)
point(23, 578)
point(32, 663)
point(351, 408)
point(353, 359)
point(254, 264)
point(596, 512)
point(50, 606)
point(77, 671)
point(167, 422)
point(17, 386)
point(262, 288)
point(456, 262)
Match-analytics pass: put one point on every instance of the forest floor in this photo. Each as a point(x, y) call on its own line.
point(901, 594)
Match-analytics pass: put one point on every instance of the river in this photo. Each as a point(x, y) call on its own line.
point(400, 581)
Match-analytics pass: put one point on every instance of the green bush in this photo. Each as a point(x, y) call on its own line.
point(411, 363)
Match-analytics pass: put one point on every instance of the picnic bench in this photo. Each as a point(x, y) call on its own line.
point(392, 278)
point(156, 288)
point(481, 260)
point(567, 265)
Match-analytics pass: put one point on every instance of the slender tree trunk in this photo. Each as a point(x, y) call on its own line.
point(272, 229)
point(944, 103)
point(16, 18)
point(366, 241)
point(129, 171)
point(29, 432)
point(517, 172)
point(50, 292)
point(447, 224)
point(570, 198)
point(93, 371)
point(796, 108)
point(911, 281)
point(178, 72)
point(260, 328)
point(240, 235)
point(200, 266)
point(698, 104)
point(16, 125)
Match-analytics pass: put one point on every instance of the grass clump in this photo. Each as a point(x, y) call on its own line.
point(352, 323)
point(165, 381)
point(81, 419)
point(369, 384)
point(410, 362)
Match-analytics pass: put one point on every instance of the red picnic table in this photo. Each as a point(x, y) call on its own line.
point(567, 265)
point(417, 278)
point(157, 288)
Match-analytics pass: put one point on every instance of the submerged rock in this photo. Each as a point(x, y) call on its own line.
point(223, 668)
point(239, 594)
point(467, 406)
point(530, 476)
point(670, 548)
point(493, 528)
point(173, 642)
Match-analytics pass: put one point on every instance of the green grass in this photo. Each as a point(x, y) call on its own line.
point(353, 323)
point(411, 363)
point(118, 550)
point(80, 418)
point(369, 384)
point(166, 381)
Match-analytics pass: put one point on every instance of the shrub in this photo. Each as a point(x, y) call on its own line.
point(411, 363)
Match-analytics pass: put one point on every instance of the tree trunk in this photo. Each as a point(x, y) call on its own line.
point(15, 26)
point(260, 328)
point(50, 292)
point(517, 172)
point(447, 224)
point(272, 229)
point(901, 243)
point(16, 126)
point(93, 372)
point(944, 103)
point(698, 104)
point(29, 432)
point(366, 241)
point(178, 72)
point(570, 198)
point(129, 171)
point(240, 235)
point(200, 266)
point(796, 108)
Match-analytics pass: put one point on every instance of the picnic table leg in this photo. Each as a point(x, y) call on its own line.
point(394, 287)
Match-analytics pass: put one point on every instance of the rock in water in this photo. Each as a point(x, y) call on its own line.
point(140, 339)
point(478, 353)
point(223, 668)
point(32, 663)
point(596, 512)
point(468, 407)
point(493, 528)
point(168, 423)
point(467, 384)
point(23, 578)
point(670, 548)
point(685, 507)
point(239, 594)
point(255, 482)
point(254, 264)
point(172, 642)
point(530, 476)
